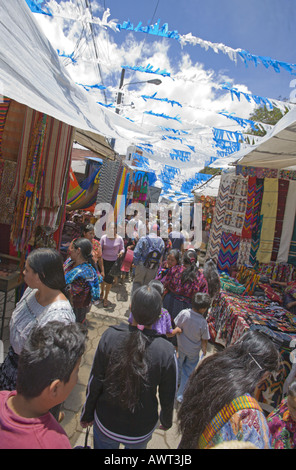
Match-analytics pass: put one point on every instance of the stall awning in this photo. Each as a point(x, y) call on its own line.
point(94, 142)
point(276, 150)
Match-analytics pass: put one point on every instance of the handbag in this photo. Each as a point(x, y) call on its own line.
point(86, 446)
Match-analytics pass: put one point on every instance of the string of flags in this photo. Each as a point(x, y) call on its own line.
point(163, 31)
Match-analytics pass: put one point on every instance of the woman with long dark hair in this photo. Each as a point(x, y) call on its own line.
point(131, 368)
point(219, 401)
point(182, 282)
point(44, 300)
point(81, 277)
point(88, 232)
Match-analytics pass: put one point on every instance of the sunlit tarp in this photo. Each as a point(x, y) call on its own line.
point(32, 74)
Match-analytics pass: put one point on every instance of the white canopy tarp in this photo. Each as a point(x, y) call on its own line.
point(277, 149)
point(32, 74)
point(210, 188)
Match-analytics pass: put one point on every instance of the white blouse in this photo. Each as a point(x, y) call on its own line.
point(28, 313)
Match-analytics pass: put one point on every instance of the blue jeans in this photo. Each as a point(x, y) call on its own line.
point(186, 366)
point(101, 441)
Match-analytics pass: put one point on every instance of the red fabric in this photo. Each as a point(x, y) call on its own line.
point(17, 432)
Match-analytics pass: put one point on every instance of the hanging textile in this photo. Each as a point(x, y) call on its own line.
point(257, 220)
point(6, 184)
point(4, 107)
point(236, 205)
point(288, 224)
point(292, 251)
point(248, 223)
point(228, 252)
point(244, 251)
point(57, 148)
point(268, 212)
point(219, 214)
point(26, 211)
point(282, 197)
point(28, 125)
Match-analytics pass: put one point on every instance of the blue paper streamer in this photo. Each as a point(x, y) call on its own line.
point(68, 56)
point(166, 100)
point(147, 69)
point(176, 131)
point(110, 105)
point(35, 8)
point(249, 97)
point(90, 87)
point(175, 118)
point(155, 29)
point(242, 122)
point(180, 155)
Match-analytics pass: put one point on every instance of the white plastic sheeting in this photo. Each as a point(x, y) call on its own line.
point(32, 74)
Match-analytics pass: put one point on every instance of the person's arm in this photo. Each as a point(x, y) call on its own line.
point(204, 346)
point(167, 391)
point(175, 331)
point(95, 384)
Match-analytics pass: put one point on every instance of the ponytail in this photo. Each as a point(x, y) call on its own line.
point(127, 371)
point(190, 273)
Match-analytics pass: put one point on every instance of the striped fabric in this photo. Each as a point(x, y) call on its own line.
point(256, 221)
point(229, 251)
point(219, 214)
point(248, 223)
point(269, 212)
point(282, 197)
point(241, 403)
point(4, 106)
point(292, 251)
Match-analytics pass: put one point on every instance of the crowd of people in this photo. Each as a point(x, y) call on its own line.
point(142, 369)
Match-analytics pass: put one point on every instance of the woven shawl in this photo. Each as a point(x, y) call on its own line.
point(241, 403)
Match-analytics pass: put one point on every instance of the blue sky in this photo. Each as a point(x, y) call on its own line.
point(261, 27)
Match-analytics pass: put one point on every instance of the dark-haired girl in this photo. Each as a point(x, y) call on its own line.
point(132, 368)
point(81, 278)
point(219, 402)
point(182, 282)
point(44, 300)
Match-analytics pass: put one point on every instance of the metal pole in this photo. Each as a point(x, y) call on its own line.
point(118, 101)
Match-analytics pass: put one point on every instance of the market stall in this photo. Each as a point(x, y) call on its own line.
point(252, 240)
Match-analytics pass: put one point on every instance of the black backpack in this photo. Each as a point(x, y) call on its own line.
point(153, 257)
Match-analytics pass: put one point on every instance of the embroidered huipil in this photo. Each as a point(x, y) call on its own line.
point(188, 289)
point(83, 282)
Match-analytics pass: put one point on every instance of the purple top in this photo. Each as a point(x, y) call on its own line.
point(111, 248)
point(162, 326)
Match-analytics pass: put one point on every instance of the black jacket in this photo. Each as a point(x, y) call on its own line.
point(162, 378)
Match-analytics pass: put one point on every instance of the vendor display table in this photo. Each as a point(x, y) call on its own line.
point(10, 279)
point(232, 315)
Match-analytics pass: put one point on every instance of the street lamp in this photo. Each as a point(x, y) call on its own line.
point(154, 81)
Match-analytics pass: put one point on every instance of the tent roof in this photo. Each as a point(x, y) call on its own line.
point(32, 74)
point(210, 188)
point(276, 150)
point(95, 142)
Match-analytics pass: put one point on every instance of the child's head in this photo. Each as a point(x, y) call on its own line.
point(50, 361)
point(201, 302)
point(291, 400)
point(158, 285)
point(146, 305)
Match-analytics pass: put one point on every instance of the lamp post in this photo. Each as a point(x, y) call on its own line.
point(154, 81)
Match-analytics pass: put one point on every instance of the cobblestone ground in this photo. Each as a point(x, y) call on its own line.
point(98, 320)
